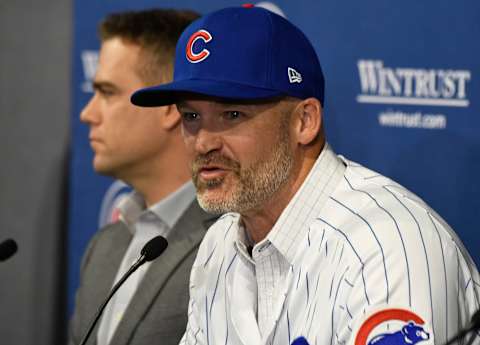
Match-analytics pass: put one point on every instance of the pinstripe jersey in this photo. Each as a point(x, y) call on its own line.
point(368, 262)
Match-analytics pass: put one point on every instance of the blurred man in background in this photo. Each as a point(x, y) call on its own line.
point(144, 148)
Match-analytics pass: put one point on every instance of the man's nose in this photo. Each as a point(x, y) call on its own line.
point(207, 141)
point(90, 114)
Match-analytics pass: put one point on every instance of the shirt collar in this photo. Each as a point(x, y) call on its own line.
point(168, 210)
point(243, 242)
point(293, 224)
point(174, 205)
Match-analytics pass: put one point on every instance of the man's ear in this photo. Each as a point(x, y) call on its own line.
point(170, 118)
point(309, 115)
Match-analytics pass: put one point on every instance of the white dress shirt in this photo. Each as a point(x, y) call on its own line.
point(353, 257)
point(144, 224)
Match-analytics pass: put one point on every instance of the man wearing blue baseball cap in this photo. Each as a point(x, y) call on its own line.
point(313, 248)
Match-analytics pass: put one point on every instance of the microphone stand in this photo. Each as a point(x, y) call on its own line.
point(141, 260)
point(150, 251)
point(472, 327)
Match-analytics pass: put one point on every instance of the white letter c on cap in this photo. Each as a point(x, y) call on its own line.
point(202, 55)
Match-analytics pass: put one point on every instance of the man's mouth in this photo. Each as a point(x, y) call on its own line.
point(212, 172)
point(95, 143)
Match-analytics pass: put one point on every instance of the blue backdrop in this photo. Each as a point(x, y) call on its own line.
point(400, 84)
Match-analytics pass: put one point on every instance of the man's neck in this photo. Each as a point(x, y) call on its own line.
point(154, 183)
point(159, 188)
point(259, 222)
point(156, 179)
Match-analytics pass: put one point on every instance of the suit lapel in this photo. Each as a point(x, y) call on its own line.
point(184, 238)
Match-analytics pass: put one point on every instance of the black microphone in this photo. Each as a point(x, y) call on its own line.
point(7, 249)
point(150, 251)
point(473, 326)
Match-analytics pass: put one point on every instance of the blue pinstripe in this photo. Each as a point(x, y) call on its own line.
point(358, 256)
point(230, 264)
point(206, 318)
point(316, 284)
point(444, 273)
point(399, 234)
point(346, 281)
point(473, 287)
point(299, 273)
point(425, 251)
point(348, 311)
point(331, 287)
point(225, 292)
point(289, 332)
point(228, 230)
point(313, 315)
point(308, 292)
point(210, 256)
point(336, 295)
point(309, 304)
point(341, 253)
point(216, 286)
point(376, 239)
point(334, 252)
point(321, 241)
point(468, 283)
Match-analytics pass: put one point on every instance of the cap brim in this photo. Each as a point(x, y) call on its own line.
point(166, 94)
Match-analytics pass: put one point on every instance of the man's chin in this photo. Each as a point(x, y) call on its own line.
point(213, 202)
point(104, 169)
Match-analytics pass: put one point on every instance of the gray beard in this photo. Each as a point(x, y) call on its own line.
point(255, 185)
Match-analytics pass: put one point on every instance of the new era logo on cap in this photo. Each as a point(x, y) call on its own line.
point(294, 76)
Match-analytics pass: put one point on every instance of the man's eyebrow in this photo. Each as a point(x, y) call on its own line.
point(99, 85)
point(183, 104)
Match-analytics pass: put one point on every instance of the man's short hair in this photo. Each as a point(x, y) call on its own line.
point(156, 31)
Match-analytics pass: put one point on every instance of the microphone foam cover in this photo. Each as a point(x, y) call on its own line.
point(154, 248)
point(7, 249)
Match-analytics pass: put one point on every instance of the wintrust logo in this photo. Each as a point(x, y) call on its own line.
point(89, 63)
point(412, 86)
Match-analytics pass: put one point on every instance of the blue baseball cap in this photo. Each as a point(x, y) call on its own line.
point(240, 53)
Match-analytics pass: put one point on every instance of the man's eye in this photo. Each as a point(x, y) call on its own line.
point(233, 114)
point(190, 116)
point(105, 92)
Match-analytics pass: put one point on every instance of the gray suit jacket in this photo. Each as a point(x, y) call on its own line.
point(157, 313)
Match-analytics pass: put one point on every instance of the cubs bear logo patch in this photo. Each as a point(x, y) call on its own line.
point(407, 328)
point(409, 334)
